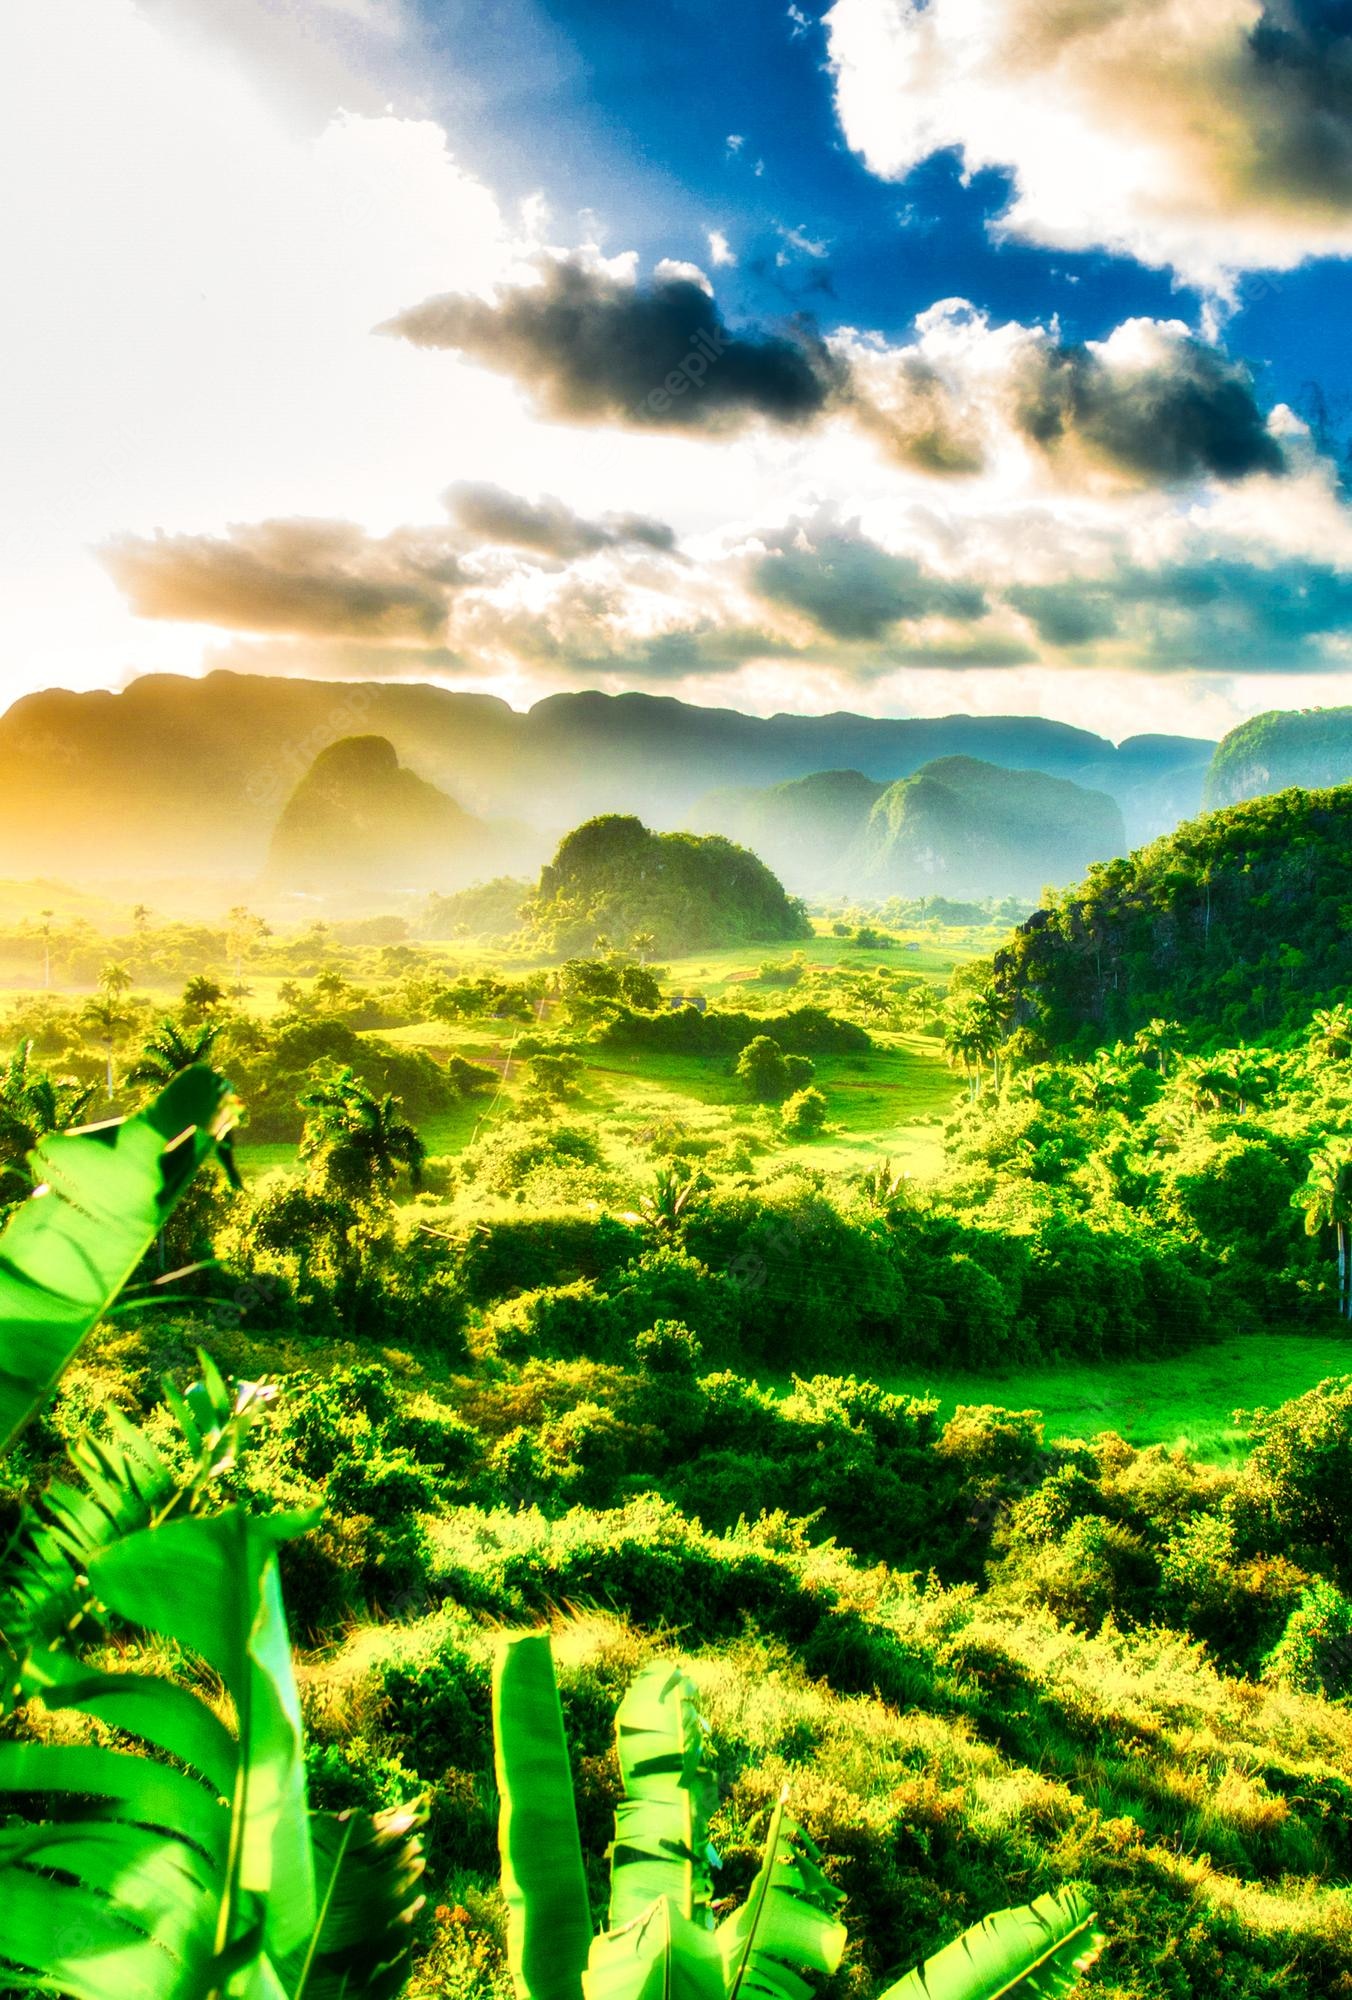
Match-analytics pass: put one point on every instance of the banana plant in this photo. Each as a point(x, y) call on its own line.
point(101, 1196)
point(187, 1867)
point(662, 1941)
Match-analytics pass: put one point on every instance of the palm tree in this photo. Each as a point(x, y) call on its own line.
point(105, 1020)
point(200, 995)
point(114, 981)
point(1332, 1030)
point(360, 1141)
point(1326, 1198)
point(170, 1050)
point(32, 1104)
point(1160, 1041)
point(972, 1039)
point(645, 944)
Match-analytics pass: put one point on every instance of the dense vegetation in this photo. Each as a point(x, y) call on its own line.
point(1237, 922)
point(590, 1312)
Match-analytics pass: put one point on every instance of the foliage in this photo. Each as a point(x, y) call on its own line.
point(1234, 919)
point(684, 891)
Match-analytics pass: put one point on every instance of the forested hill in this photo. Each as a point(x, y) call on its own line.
point(682, 891)
point(966, 828)
point(1241, 920)
point(1307, 746)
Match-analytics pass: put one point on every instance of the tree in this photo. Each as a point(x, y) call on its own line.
point(332, 989)
point(114, 981)
point(1326, 1198)
point(1331, 1031)
point(359, 1141)
point(169, 1050)
point(804, 1114)
point(200, 996)
point(1159, 1042)
point(768, 1074)
point(47, 916)
point(105, 1020)
point(676, 1193)
point(971, 1039)
point(645, 944)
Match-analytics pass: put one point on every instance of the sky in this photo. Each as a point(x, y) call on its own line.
point(974, 355)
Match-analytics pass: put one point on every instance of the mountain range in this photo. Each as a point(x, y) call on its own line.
point(180, 776)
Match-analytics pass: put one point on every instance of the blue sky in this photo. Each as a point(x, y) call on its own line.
point(363, 339)
point(625, 113)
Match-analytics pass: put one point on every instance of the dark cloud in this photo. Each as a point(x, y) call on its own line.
point(1187, 413)
point(494, 515)
point(1065, 614)
point(852, 589)
point(1301, 53)
point(593, 348)
point(323, 578)
point(1215, 612)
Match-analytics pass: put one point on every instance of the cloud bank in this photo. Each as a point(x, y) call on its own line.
point(1208, 136)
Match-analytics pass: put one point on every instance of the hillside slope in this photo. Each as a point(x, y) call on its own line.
point(964, 828)
point(1241, 921)
point(614, 877)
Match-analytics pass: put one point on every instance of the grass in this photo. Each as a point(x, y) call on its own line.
point(1188, 1399)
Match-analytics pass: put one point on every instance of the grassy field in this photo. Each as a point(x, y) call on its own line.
point(1189, 1399)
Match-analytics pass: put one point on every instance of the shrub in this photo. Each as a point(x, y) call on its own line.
point(1314, 1653)
point(562, 1321)
point(668, 1347)
point(804, 1115)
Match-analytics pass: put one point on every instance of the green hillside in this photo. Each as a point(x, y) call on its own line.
point(1239, 920)
point(1307, 746)
point(961, 827)
point(685, 891)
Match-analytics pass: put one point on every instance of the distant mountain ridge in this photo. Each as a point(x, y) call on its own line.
point(187, 775)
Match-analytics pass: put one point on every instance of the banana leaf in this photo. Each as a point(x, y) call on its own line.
point(661, 1847)
point(102, 1195)
point(122, 1874)
point(787, 1926)
point(549, 1928)
point(662, 1955)
point(1035, 1953)
point(367, 1867)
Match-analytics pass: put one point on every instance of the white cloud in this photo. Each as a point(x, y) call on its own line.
point(720, 251)
point(1210, 136)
